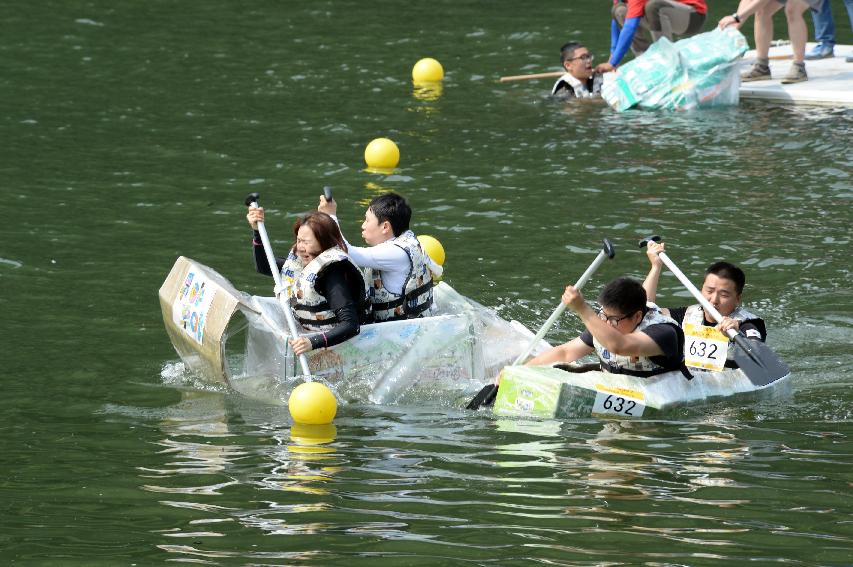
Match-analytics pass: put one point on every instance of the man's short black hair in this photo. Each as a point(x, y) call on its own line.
point(729, 272)
point(568, 51)
point(625, 295)
point(393, 208)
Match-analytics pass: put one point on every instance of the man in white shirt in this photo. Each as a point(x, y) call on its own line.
point(401, 273)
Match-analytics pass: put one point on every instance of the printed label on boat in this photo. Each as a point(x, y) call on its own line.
point(189, 310)
point(705, 347)
point(618, 401)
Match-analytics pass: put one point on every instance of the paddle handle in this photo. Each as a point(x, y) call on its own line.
point(706, 305)
point(285, 305)
point(550, 74)
point(602, 255)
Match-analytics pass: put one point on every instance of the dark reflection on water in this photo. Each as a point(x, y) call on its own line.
point(401, 483)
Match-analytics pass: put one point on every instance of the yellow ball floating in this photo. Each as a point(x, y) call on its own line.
point(427, 70)
point(312, 403)
point(433, 248)
point(382, 153)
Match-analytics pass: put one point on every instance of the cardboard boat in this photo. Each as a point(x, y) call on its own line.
point(580, 392)
point(229, 338)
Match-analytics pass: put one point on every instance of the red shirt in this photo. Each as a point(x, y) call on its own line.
point(637, 8)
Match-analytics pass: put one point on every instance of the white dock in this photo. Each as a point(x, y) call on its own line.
point(830, 80)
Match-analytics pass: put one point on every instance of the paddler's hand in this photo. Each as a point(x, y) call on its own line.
point(605, 67)
point(300, 345)
point(328, 207)
point(652, 250)
point(728, 323)
point(572, 298)
point(255, 215)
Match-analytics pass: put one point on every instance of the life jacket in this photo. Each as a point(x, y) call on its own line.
point(416, 298)
point(309, 307)
point(695, 315)
point(641, 365)
point(576, 88)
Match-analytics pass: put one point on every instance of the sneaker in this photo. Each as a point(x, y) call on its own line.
point(820, 51)
point(849, 59)
point(758, 72)
point(796, 74)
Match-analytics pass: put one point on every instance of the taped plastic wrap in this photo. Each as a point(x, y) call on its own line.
point(441, 358)
point(696, 72)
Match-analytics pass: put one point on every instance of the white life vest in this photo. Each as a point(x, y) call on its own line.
point(637, 365)
point(309, 307)
point(416, 298)
point(695, 315)
point(578, 88)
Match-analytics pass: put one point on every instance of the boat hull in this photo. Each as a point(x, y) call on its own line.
point(550, 392)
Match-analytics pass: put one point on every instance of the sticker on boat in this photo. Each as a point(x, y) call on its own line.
point(189, 310)
point(618, 401)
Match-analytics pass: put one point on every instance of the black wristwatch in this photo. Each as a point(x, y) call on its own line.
point(736, 17)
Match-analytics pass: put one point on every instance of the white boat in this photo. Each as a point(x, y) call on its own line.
point(229, 338)
point(830, 80)
point(578, 392)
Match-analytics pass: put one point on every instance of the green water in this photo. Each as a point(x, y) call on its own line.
point(132, 132)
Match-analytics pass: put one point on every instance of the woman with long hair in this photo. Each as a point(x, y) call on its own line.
point(326, 289)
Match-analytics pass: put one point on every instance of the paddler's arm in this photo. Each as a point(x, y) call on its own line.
point(566, 352)
point(384, 258)
point(650, 284)
point(631, 344)
point(626, 36)
point(261, 264)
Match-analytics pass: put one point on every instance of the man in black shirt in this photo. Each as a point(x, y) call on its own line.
point(628, 335)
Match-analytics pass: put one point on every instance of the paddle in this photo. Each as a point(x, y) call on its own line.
point(550, 74)
point(760, 364)
point(486, 396)
point(252, 201)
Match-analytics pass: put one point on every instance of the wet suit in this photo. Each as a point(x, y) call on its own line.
point(341, 287)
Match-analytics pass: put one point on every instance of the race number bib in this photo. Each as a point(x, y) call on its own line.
point(705, 347)
point(618, 401)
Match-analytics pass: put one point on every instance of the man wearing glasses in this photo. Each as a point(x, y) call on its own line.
point(629, 335)
point(580, 79)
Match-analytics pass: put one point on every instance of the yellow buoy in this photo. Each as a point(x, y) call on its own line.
point(427, 70)
point(433, 248)
point(312, 403)
point(382, 153)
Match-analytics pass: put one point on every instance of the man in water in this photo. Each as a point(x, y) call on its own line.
point(797, 31)
point(629, 335)
point(633, 19)
point(722, 287)
point(580, 80)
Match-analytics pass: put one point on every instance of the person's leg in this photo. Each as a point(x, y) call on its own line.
point(618, 13)
point(668, 18)
point(799, 33)
point(763, 30)
point(824, 31)
point(849, 5)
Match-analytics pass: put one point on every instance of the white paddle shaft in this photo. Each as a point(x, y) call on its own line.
point(282, 299)
point(560, 308)
point(706, 305)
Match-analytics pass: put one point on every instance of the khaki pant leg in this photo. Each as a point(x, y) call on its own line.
point(642, 38)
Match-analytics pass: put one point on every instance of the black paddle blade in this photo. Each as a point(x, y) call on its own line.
point(760, 364)
point(484, 398)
